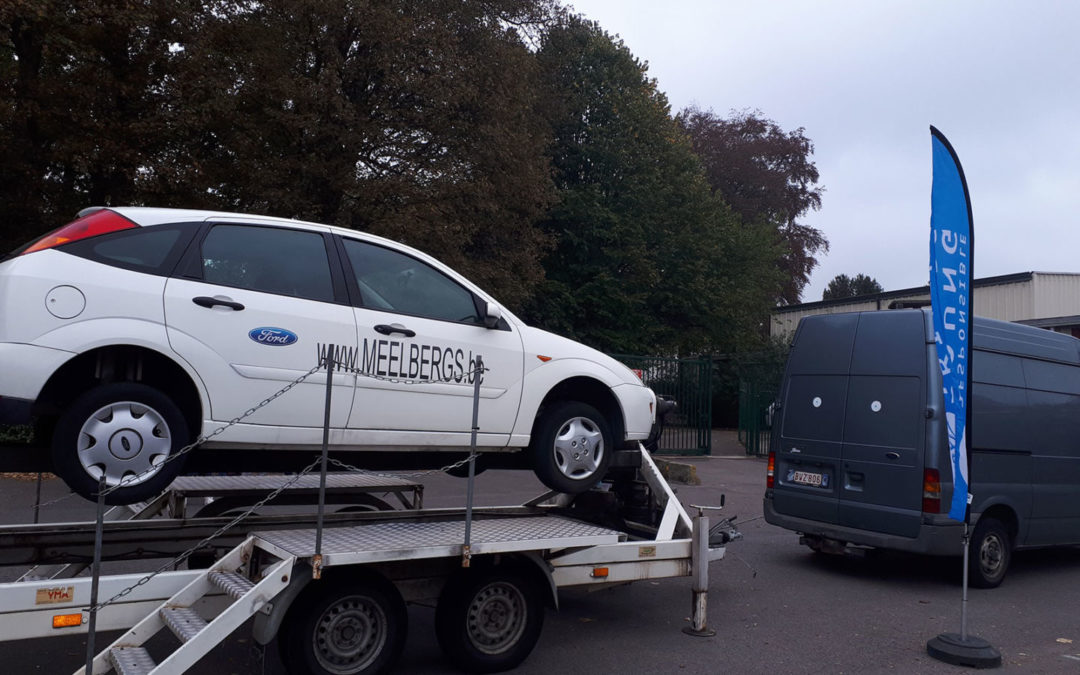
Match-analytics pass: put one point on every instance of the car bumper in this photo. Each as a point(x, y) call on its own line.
point(26, 368)
point(639, 410)
point(939, 536)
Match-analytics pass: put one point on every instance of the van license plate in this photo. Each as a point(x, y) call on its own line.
point(807, 478)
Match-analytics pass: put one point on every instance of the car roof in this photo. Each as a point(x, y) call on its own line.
point(147, 216)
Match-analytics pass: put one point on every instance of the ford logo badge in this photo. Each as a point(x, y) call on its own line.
point(277, 337)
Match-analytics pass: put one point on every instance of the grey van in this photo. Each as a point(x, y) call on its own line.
point(859, 454)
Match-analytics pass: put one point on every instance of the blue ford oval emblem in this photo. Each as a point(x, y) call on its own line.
point(277, 337)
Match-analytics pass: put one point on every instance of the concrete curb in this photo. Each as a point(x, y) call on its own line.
point(677, 472)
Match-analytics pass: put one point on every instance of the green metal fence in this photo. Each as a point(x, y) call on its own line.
point(754, 418)
point(687, 430)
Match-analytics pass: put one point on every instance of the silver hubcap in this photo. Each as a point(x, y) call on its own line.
point(350, 634)
point(496, 617)
point(124, 441)
point(991, 555)
point(579, 447)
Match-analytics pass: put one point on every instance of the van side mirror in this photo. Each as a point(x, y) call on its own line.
point(493, 315)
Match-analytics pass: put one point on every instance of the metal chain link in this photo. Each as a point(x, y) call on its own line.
point(292, 481)
point(266, 401)
point(220, 531)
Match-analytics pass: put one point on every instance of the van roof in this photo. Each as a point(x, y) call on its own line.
point(1014, 338)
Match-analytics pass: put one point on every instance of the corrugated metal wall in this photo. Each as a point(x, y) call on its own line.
point(1043, 296)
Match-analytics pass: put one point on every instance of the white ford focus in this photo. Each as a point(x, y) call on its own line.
point(130, 332)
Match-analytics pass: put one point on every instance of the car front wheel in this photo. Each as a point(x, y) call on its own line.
point(571, 447)
point(125, 432)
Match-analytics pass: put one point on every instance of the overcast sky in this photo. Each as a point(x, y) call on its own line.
point(866, 79)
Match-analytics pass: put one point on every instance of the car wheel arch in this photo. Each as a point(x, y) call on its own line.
point(592, 392)
point(123, 363)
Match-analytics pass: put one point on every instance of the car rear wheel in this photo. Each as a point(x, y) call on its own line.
point(124, 431)
point(989, 554)
point(571, 447)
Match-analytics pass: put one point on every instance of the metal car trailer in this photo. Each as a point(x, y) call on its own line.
point(335, 599)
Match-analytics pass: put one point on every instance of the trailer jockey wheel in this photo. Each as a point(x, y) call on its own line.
point(344, 626)
point(488, 621)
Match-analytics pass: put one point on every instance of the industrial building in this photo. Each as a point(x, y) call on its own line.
point(1048, 300)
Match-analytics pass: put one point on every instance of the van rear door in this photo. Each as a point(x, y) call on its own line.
point(813, 401)
point(850, 445)
point(881, 476)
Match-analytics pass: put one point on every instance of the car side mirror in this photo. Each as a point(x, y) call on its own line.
point(493, 315)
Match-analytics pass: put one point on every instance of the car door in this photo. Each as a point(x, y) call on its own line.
point(248, 309)
point(419, 332)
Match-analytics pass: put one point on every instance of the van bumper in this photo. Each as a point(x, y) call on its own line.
point(937, 536)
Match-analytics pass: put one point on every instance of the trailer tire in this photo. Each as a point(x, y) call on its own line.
point(488, 621)
point(126, 430)
point(990, 554)
point(571, 447)
point(344, 626)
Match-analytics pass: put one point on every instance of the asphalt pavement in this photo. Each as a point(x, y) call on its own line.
point(776, 606)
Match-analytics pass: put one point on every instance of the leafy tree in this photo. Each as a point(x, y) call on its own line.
point(843, 286)
point(766, 175)
point(647, 259)
point(413, 119)
point(80, 105)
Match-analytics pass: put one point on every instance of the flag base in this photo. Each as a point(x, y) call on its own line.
point(973, 651)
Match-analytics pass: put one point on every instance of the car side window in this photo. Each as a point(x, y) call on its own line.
point(395, 282)
point(268, 259)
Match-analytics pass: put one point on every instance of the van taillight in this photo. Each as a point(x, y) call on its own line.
point(90, 225)
point(770, 477)
point(931, 491)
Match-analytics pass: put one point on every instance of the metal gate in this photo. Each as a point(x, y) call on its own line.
point(687, 430)
point(755, 418)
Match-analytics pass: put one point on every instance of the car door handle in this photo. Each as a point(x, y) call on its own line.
point(206, 301)
point(390, 329)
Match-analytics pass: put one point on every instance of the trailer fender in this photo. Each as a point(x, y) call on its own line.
point(266, 625)
point(540, 568)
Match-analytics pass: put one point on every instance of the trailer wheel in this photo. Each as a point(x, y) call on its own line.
point(341, 626)
point(571, 447)
point(125, 431)
point(488, 621)
point(990, 553)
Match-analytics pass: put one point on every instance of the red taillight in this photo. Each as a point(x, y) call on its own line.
point(770, 476)
point(637, 371)
point(931, 491)
point(91, 225)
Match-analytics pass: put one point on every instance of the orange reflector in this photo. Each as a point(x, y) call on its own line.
point(66, 620)
point(543, 358)
point(599, 573)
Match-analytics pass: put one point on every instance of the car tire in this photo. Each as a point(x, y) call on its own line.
point(571, 447)
point(990, 553)
point(126, 431)
point(344, 626)
point(488, 621)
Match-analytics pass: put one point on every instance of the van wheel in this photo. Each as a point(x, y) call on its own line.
point(989, 554)
point(343, 627)
point(488, 621)
point(124, 431)
point(571, 447)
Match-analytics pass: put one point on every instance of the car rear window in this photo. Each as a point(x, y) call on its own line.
point(153, 250)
